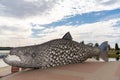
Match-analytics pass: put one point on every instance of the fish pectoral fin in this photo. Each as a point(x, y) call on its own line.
point(67, 36)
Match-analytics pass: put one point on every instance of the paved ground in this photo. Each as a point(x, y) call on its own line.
point(4, 71)
point(90, 70)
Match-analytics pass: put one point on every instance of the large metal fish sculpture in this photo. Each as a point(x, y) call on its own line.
point(56, 52)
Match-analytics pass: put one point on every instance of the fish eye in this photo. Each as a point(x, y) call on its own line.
point(33, 55)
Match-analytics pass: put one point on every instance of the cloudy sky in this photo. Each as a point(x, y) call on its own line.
point(27, 22)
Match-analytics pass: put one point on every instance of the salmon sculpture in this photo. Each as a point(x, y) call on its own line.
point(56, 52)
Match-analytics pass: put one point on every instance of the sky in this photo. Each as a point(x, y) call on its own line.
point(29, 22)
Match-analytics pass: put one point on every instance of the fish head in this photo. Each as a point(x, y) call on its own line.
point(20, 58)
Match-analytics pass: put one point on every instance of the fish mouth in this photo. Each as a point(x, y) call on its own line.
point(12, 60)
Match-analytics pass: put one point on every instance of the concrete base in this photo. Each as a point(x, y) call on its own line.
point(90, 70)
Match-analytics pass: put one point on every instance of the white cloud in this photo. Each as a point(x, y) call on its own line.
point(14, 28)
point(38, 27)
point(16, 16)
point(95, 32)
point(47, 11)
point(70, 7)
point(25, 8)
point(109, 2)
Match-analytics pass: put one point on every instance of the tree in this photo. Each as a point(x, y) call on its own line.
point(117, 53)
point(116, 46)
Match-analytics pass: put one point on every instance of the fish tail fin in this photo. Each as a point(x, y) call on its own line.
point(104, 51)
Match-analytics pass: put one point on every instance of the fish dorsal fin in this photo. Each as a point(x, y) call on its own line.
point(67, 36)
